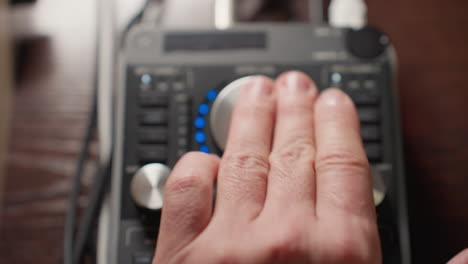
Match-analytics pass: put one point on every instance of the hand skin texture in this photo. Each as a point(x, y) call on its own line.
point(461, 258)
point(293, 185)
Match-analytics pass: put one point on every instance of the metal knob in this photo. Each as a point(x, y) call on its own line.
point(147, 186)
point(221, 112)
point(379, 188)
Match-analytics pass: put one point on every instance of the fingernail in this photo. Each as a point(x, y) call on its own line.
point(334, 97)
point(259, 87)
point(297, 82)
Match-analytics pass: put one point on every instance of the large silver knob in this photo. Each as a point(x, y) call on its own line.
point(221, 112)
point(147, 186)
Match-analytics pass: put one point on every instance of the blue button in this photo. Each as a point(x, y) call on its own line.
point(203, 109)
point(200, 137)
point(205, 149)
point(211, 95)
point(200, 122)
point(146, 79)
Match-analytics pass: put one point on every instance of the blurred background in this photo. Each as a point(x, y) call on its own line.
point(47, 54)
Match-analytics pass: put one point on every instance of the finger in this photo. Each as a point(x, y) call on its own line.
point(244, 166)
point(291, 177)
point(460, 258)
point(343, 176)
point(188, 199)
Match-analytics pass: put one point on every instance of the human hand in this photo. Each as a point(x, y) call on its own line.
point(460, 258)
point(293, 185)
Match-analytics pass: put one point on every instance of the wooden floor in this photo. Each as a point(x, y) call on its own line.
point(52, 98)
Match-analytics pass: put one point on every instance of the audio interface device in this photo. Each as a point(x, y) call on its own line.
point(170, 100)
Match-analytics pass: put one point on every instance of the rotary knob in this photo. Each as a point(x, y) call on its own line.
point(366, 43)
point(147, 185)
point(221, 112)
point(379, 173)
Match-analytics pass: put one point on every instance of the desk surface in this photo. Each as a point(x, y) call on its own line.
point(5, 93)
point(52, 97)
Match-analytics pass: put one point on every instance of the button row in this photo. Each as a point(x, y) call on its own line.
point(362, 98)
point(182, 122)
point(142, 259)
point(153, 135)
point(163, 87)
point(152, 132)
point(153, 98)
point(354, 81)
point(373, 151)
point(370, 132)
point(154, 79)
point(368, 114)
point(154, 117)
point(363, 89)
point(152, 153)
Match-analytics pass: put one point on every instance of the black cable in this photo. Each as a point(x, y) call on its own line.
point(98, 191)
point(71, 216)
point(70, 221)
point(75, 244)
point(136, 18)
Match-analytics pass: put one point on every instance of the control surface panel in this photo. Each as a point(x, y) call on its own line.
point(169, 98)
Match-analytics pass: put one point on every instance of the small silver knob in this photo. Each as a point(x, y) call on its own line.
point(147, 186)
point(379, 188)
point(221, 112)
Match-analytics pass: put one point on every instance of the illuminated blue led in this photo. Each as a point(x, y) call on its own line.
point(200, 122)
point(203, 109)
point(211, 95)
point(146, 79)
point(204, 149)
point(200, 137)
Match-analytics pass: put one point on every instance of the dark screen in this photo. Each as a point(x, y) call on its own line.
point(214, 41)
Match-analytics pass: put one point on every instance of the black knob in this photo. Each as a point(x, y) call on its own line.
point(366, 43)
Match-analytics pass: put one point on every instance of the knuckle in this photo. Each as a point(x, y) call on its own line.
point(341, 160)
point(246, 163)
point(186, 178)
point(348, 251)
point(286, 248)
point(185, 183)
point(299, 149)
point(351, 254)
point(356, 246)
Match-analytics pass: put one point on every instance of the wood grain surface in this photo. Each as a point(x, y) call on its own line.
point(52, 97)
point(5, 91)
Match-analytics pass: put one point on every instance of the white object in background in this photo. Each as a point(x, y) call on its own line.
point(185, 14)
point(347, 13)
point(224, 14)
point(188, 14)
